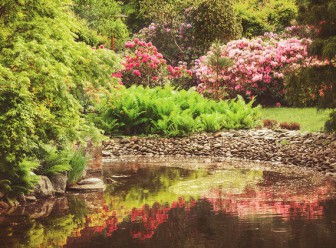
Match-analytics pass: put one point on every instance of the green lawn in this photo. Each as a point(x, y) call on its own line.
point(310, 119)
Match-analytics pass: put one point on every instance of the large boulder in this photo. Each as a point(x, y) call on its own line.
point(59, 182)
point(44, 188)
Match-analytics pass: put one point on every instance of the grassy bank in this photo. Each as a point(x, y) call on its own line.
point(310, 119)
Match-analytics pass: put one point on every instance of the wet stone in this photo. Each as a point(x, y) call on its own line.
point(92, 180)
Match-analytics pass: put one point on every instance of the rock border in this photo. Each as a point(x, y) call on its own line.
point(314, 150)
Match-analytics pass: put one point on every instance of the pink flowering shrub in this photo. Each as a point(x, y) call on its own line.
point(144, 65)
point(258, 67)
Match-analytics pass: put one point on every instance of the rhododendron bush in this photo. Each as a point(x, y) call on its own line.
point(144, 65)
point(258, 67)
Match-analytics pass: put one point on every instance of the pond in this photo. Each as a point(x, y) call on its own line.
point(208, 205)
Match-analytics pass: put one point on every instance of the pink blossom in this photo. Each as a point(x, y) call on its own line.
point(137, 73)
point(116, 75)
point(129, 44)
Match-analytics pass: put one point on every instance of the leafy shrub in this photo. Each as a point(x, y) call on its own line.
point(258, 17)
point(257, 69)
point(15, 180)
point(48, 82)
point(165, 111)
point(214, 20)
point(105, 18)
point(53, 161)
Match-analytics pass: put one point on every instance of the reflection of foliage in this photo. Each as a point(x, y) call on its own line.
point(50, 233)
point(230, 181)
point(143, 207)
point(77, 208)
point(149, 187)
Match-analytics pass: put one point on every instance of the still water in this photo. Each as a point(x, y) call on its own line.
point(165, 206)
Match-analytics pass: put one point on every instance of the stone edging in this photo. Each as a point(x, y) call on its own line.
point(315, 150)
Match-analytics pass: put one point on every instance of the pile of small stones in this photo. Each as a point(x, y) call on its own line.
point(317, 150)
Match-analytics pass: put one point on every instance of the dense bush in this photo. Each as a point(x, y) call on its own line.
point(145, 66)
point(257, 67)
point(258, 17)
point(214, 20)
point(165, 111)
point(47, 82)
point(175, 40)
point(105, 18)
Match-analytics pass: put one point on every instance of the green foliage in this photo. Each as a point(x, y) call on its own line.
point(212, 122)
point(77, 163)
point(135, 20)
point(53, 161)
point(165, 111)
point(48, 82)
point(260, 16)
point(18, 179)
point(214, 20)
point(105, 17)
point(165, 11)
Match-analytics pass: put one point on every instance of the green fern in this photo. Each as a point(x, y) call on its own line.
point(170, 112)
point(53, 161)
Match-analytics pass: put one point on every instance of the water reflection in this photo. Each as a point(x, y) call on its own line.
point(174, 207)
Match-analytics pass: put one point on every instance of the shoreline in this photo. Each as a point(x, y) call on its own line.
point(313, 150)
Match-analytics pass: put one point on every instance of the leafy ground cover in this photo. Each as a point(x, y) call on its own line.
point(169, 112)
point(310, 119)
